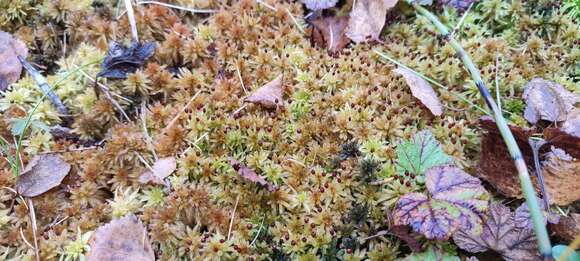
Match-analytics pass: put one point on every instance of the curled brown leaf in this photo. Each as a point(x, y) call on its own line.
point(10, 67)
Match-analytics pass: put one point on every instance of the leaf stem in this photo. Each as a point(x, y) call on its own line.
point(525, 181)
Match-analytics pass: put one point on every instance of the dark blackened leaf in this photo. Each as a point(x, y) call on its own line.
point(121, 60)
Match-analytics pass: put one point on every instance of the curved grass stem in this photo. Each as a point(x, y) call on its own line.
point(525, 181)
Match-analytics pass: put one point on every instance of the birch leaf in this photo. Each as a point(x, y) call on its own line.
point(43, 173)
point(367, 19)
point(329, 33)
point(10, 67)
point(250, 175)
point(547, 100)
point(456, 200)
point(269, 95)
point(422, 90)
point(162, 168)
point(121, 239)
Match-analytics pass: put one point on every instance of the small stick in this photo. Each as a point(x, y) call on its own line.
point(240, 109)
point(24, 238)
point(199, 11)
point(180, 112)
point(380, 233)
point(131, 16)
point(461, 20)
point(148, 139)
point(497, 79)
point(70, 150)
point(34, 228)
point(241, 80)
point(295, 21)
point(233, 215)
point(107, 95)
point(267, 5)
point(43, 84)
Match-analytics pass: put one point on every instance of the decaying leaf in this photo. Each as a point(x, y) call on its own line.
point(10, 67)
point(432, 254)
point(367, 19)
point(402, 232)
point(121, 60)
point(121, 239)
point(567, 136)
point(500, 235)
point(161, 169)
point(319, 4)
point(547, 100)
point(456, 200)
point(420, 154)
point(43, 173)
point(329, 32)
point(568, 227)
point(269, 95)
point(522, 216)
point(251, 175)
point(561, 174)
point(497, 167)
point(422, 90)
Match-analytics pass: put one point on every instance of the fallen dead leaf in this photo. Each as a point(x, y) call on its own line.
point(161, 169)
point(497, 167)
point(319, 4)
point(10, 67)
point(269, 95)
point(329, 32)
point(547, 100)
point(250, 174)
point(121, 60)
point(121, 239)
point(568, 228)
point(367, 19)
point(43, 173)
point(567, 136)
point(561, 174)
point(422, 90)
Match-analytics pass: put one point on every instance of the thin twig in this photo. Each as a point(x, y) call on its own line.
point(131, 16)
point(34, 228)
point(497, 96)
point(241, 80)
point(70, 150)
point(233, 215)
point(379, 234)
point(267, 5)
point(107, 93)
point(240, 109)
point(103, 86)
point(24, 239)
point(295, 21)
point(199, 11)
point(148, 139)
point(179, 113)
point(145, 162)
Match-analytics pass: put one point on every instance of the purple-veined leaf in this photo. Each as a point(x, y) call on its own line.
point(501, 235)
point(456, 200)
point(420, 154)
point(522, 216)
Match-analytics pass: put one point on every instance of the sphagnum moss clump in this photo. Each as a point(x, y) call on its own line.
point(328, 150)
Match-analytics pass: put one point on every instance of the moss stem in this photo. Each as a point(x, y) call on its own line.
point(525, 181)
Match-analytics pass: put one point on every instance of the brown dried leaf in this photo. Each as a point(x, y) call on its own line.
point(568, 227)
point(496, 165)
point(269, 95)
point(121, 239)
point(367, 19)
point(561, 174)
point(10, 67)
point(43, 173)
point(422, 90)
point(161, 169)
point(329, 32)
point(567, 136)
point(250, 174)
point(547, 100)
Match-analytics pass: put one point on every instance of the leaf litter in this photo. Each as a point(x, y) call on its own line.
point(44, 172)
point(10, 66)
point(329, 33)
point(422, 90)
point(547, 100)
point(367, 19)
point(161, 169)
point(250, 175)
point(270, 95)
point(121, 60)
